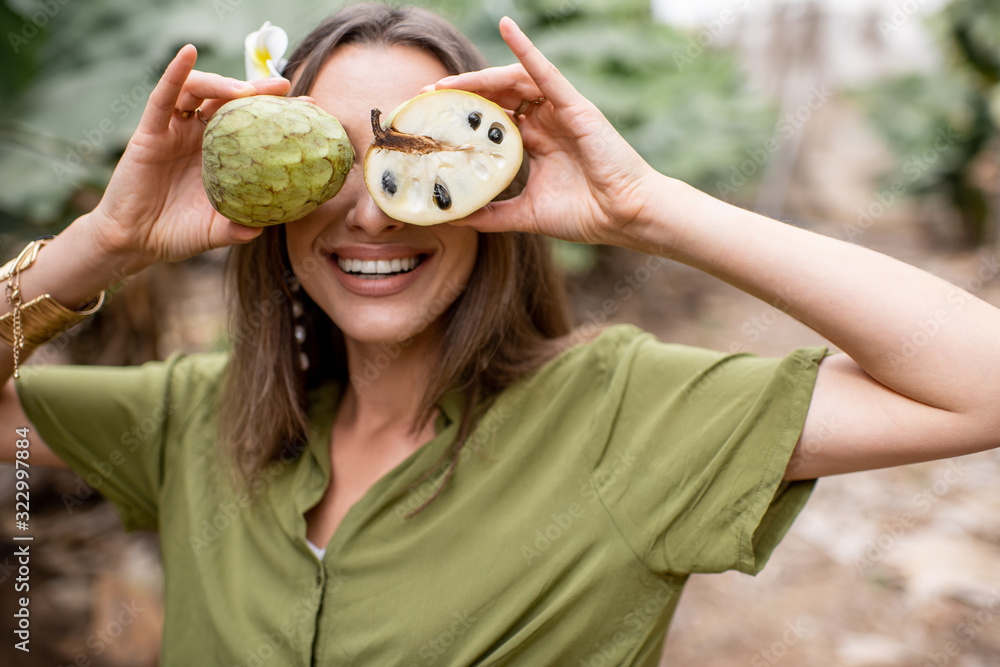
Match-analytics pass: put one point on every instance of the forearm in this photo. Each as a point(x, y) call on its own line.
point(914, 333)
point(73, 268)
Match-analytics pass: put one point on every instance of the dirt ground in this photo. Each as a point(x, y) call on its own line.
point(891, 568)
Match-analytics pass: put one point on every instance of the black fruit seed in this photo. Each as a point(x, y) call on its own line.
point(475, 118)
point(388, 182)
point(441, 197)
point(495, 134)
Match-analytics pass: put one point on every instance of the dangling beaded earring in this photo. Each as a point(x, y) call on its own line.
point(299, 328)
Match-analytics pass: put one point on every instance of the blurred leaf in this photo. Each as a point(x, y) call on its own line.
point(18, 69)
point(691, 122)
point(96, 63)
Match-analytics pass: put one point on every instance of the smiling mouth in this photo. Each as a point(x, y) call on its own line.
point(376, 269)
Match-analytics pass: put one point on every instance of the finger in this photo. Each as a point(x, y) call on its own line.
point(210, 107)
point(236, 233)
point(514, 101)
point(492, 80)
point(201, 86)
point(508, 86)
point(553, 85)
point(501, 216)
point(272, 86)
point(163, 99)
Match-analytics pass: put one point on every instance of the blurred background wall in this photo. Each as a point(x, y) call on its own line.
point(868, 120)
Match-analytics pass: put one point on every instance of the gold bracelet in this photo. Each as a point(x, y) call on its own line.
point(31, 324)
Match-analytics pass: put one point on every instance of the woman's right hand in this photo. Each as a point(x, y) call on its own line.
point(155, 207)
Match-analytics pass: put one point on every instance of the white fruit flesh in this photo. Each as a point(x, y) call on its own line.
point(473, 153)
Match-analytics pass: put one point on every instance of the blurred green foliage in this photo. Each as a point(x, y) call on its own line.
point(943, 125)
point(81, 74)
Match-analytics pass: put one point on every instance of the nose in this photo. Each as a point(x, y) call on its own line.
point(367, 217)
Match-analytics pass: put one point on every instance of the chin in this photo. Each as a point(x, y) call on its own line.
point(386, 330)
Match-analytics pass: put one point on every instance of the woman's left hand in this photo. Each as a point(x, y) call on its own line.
point(586, 184)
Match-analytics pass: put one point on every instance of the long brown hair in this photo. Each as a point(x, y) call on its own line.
point(505, 324)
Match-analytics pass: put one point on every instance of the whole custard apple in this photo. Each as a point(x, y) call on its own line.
point(268, 160)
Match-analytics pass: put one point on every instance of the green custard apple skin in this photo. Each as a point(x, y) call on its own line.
point(269, 160)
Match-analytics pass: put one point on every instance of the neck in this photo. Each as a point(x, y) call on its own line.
point(387, 382)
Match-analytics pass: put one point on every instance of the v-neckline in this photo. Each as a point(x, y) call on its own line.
point(312, 477)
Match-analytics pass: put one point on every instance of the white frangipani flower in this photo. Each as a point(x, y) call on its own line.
point(265, 51)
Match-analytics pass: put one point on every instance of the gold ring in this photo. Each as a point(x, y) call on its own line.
point(523, 107)
point(188, 114)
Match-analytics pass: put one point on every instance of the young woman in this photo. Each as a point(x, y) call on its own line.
point(429, 466)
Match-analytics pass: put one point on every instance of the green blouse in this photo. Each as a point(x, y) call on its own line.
point(580, 505)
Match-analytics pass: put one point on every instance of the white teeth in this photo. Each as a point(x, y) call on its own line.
point(376, 267)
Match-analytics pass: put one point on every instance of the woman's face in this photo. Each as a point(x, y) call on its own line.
point(378, 279)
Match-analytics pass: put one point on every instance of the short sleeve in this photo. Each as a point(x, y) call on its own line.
point(696, 447)
point(108, 424)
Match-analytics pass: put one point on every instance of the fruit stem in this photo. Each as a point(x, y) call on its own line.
point(393, 139)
